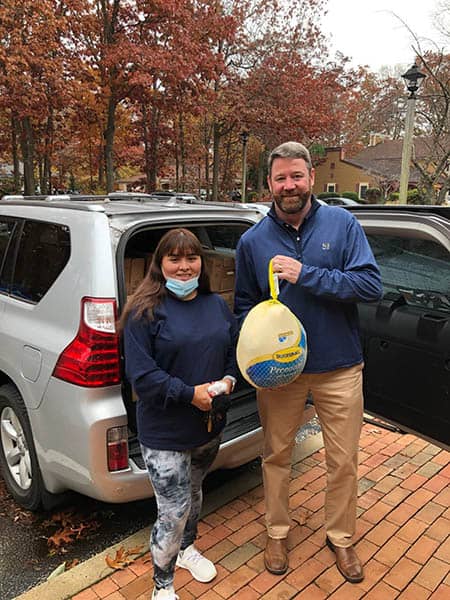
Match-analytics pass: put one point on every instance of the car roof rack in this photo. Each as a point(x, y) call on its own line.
point(172, 199)
point(55, 197)
point(111, 197)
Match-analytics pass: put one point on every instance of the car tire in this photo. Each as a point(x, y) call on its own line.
point(18, 460)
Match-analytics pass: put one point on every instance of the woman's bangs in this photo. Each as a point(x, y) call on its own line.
point(184, 246)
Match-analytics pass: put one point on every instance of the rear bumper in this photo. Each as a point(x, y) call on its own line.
point(239, 451)
point(70, 429)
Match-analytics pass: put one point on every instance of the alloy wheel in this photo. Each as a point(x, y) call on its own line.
point(15, 448)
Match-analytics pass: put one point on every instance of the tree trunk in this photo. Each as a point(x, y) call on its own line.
point(151, 141)
point(206, 141)
point(226, 166)
point(109, 142)
point(15, 153)
point(216, 161)
point(91, 171)
point(27, 145)
point(442, 194)
point(260, 182)
point(177, 168)
point(46, 183)
point(61, 175)
point(40, 170)
point(101, 167)
point(182, 150)
point(146, 147)
point(154, 145)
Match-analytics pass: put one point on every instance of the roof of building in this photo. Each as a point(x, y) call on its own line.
point(385, 158)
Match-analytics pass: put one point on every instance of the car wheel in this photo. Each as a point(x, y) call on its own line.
point(18, 459)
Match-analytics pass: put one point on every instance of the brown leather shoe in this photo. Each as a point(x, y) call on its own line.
point(275, 556)
point(347, 562)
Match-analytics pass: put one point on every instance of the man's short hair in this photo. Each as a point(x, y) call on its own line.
point(289, 150)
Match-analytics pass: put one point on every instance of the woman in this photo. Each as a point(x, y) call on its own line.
point(179, 338)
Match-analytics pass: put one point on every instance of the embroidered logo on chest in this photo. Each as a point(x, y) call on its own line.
point(326, 245)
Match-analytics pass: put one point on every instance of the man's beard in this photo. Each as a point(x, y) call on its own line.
point(292, 203)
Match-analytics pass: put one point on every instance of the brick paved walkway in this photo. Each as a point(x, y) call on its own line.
point(403, 535)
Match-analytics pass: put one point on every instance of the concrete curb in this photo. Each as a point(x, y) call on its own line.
point(89, 572)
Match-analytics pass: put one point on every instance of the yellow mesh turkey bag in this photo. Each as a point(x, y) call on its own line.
point(272, 346)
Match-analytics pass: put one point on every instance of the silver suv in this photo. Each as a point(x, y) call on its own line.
point(67, 415)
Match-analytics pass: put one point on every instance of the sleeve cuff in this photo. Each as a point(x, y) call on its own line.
point(188, 394)
point(232, 379)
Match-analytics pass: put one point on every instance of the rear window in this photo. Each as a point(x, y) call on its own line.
point(44, 249)
point(225, 237)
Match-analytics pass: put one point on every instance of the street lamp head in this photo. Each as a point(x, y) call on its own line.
point(244, 136)
point(413, 78)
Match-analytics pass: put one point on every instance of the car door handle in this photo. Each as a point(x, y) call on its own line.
point(430, 325)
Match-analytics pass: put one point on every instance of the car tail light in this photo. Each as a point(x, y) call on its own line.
point(117, 448)
point(92, 358)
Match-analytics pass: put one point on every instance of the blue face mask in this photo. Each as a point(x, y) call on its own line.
point(180, 288)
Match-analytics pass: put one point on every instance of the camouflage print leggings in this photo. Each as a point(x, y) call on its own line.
point(176, 477)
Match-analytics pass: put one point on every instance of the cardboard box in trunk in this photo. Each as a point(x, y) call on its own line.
point(221, 271)
point(134, 273)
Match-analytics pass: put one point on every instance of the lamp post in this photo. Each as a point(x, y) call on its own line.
point(244, 139)
point(413, 78)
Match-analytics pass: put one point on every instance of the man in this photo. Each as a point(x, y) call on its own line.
point(325, 266)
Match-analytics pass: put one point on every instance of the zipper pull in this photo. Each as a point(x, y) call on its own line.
point(209, 425)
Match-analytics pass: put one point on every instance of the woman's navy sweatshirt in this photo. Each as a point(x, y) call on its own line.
point(186, 343)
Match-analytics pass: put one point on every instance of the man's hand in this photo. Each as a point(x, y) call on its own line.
point(202, 399)
point(287, 268)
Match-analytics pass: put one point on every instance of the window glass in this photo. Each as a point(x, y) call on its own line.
point(6, 232)
point(224, 236)
point(43, 253)
point(331, 187)
point(417, 269)
point(363, 187)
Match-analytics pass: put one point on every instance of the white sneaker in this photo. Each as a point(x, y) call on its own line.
point(165, 593)
point(200, 567)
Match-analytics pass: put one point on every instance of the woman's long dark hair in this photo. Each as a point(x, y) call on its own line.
point(152, 290)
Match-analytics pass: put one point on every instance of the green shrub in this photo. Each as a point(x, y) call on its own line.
point(413, 196)
point(393, 197)
point(374, 195)
point(324, 195)
point(7, 187)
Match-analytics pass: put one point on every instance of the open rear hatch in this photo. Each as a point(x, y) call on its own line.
point(219, 240)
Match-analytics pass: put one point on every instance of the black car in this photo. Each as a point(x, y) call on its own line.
point(406, 336)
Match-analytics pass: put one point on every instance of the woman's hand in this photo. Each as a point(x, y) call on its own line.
point(202, 399)
point(229, 385)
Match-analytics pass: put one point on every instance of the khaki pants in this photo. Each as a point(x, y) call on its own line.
point(338, 401)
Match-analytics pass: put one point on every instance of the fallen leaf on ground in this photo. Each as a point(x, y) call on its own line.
point(72, 526)
point(70, 564)
point(123, 558)
point(62, 536)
